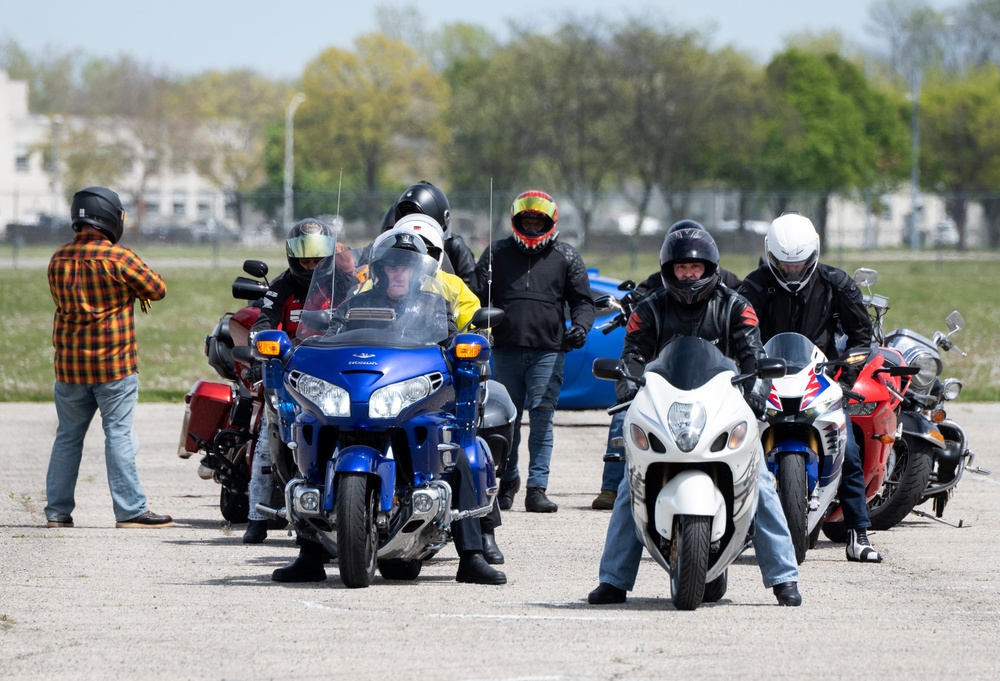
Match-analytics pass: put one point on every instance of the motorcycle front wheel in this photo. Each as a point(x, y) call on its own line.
point(689, 560)
point(907, 476)
point(792, 491)
point(357, 534)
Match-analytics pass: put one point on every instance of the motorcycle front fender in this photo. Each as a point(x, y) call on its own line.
point(915, 425)
point(362, 459)
point(690, 492)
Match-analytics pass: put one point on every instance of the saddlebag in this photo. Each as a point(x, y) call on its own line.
point(498, 424)
point(207, 412)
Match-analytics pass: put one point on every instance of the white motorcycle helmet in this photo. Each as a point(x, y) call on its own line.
point(426, 228)
point(792, 250)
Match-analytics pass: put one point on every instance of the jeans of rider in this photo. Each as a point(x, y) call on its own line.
point(76, 405)
point(261, 483)
point(614, 471)
point(533, 378)
point(772, 541)
point(852, 485)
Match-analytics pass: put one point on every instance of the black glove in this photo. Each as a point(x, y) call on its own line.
point(757, 403)
point(576, 337)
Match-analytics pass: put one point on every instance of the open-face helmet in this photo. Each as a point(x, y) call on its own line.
point(792, 250)
point(683, 245)
point(538, 205)
point(101, 208)
point(308, 239)
point(426, 199)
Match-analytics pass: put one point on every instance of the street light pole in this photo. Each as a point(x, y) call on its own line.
point(915, 207)
point(290, 155)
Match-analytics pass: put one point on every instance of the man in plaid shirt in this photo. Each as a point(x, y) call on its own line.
point(95, 283)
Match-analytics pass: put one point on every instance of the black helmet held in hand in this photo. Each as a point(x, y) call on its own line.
point(425, 198)
point(308, 239)
point(685, 245)
point(101, 208)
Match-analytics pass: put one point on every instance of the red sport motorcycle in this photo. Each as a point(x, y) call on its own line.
point(222, 420)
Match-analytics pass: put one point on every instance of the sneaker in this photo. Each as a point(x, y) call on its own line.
point(787, 594)
point(605, 501)
point(147, 520)
point(606, 594)
point(859, 549)
point(535, 501)
point(67, 522)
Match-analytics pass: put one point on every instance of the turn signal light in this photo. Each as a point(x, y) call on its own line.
point(939, 416)
point(268, 348)
point(468, 350)
point(885, 439)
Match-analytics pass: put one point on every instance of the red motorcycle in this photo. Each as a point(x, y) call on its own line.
point(875, 402)
point(222, 420)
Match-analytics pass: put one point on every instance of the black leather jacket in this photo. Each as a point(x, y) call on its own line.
point(725, 319)
point(830, 298)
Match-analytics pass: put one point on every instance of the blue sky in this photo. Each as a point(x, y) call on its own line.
point(279, 38)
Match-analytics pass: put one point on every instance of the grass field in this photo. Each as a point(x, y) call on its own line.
point(171, 338)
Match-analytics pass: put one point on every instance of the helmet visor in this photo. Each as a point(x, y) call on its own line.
point(311, 246)
point(535, 204)
point(794, 272)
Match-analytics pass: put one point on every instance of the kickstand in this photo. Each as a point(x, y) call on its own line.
point(924, 514)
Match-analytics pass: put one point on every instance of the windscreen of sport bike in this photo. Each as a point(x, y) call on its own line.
point(400, 305)
point(689, 362)
point(794, 348)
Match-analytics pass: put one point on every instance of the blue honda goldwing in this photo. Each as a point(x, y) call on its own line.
point(377, 403)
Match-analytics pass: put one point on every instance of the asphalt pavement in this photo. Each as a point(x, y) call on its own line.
point(193, 602)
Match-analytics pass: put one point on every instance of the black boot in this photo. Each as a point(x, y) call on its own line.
point(308, 567)
point(256, 532)
point(535, 501)
point(473, 569)
point(787, 594)
point(606, 594)
point(492, 552)
point(505, 497)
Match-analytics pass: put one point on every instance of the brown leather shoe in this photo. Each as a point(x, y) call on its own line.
point(68, 522)
point(605, 501)
point(147, 520)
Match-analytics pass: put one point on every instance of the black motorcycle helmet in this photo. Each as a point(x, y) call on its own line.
point(309, 238)
point(684, 224)
point(100, 207)
point(425, 198)
point(689, 244)
point(388, 219)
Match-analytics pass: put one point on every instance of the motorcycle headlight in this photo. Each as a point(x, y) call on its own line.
point(387, 402)
point(686, 423)
point(861, 408)
point(951, 388)
point(929, 365)
point(818, 407)
point(332, 400)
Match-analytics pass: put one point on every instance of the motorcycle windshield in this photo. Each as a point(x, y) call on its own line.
point(688, 362)
point(400, 305)
point(794, 348)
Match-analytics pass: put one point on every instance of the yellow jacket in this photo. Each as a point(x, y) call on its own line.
point(464, 302)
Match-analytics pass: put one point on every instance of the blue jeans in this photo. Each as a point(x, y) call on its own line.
point(772, 541)
point(533, 378)
point(261, 483)
point(75, 407)
point(852, 485)
point(614, 471)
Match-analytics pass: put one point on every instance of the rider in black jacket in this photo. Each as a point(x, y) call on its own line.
point(693, 302)
point(793, 292)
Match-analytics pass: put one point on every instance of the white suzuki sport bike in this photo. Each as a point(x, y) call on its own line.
point(693, 455)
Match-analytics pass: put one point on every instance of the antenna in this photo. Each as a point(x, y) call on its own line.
point(340, 183)
point(489, 269)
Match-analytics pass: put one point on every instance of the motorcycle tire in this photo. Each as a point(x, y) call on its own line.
point(689, 552)
point(401, 570)
point(904, 484)
point(716, 589)
point(792, 490)
point(235, 506)
point(357, 534)
point(835, 532)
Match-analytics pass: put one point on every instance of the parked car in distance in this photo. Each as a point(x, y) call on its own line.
point(580, 390)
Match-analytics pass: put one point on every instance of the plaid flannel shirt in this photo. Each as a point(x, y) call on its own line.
point(95, 284)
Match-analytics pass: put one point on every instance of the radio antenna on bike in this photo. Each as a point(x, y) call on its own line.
point(489, 245)
point(340, 183)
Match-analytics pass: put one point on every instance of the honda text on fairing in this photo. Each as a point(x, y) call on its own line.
point(692, 449)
